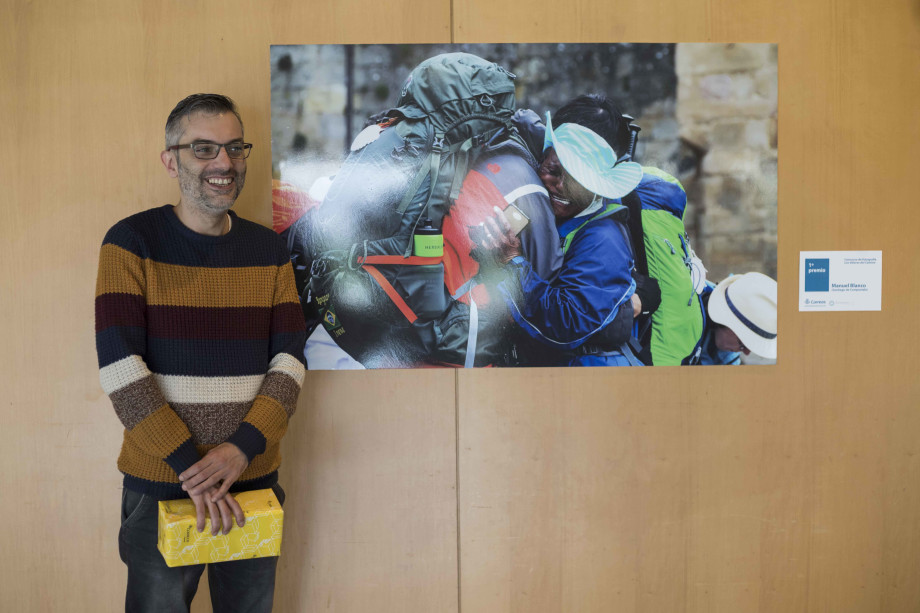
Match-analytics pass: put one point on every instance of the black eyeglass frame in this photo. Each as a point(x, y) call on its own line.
point(247, 149)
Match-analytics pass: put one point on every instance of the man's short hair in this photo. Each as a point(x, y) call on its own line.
point(599, 114)
point(210, 104)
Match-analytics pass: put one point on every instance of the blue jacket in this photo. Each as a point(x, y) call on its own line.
point(584, 296)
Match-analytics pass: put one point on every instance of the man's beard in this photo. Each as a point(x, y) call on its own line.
point(196, 191)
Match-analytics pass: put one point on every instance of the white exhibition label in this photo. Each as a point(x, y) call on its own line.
point(840, 281)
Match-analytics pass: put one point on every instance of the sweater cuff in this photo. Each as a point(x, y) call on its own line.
point(249, 439)
point(183, 457)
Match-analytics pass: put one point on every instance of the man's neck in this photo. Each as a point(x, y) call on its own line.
point(209, 225)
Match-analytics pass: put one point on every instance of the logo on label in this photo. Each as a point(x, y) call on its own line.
point(817, 275)
point(330, 319)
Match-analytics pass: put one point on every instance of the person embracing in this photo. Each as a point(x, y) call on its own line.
point(583, 315)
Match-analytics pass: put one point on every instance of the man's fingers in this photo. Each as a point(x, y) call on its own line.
point(215, 516)
point(199, 512)
point(224, 488)
point(226, 518)
point(202, 486)
point(236, 510)
point(195, 468)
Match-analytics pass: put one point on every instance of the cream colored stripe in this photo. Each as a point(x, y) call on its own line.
point(289, 365)
point(122, 373)
point(212, 390)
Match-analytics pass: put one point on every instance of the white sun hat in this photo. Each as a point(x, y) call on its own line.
point(746, 304)
point(590, 160)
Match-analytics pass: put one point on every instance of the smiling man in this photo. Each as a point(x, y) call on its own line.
point(199, 335)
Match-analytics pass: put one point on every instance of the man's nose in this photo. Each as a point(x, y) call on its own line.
point(223, 159)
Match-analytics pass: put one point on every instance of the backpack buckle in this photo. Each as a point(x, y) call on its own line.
point(486, 101)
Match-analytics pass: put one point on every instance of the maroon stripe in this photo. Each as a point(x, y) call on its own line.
point(287, 317)
point(119, 310)
point(208, 323)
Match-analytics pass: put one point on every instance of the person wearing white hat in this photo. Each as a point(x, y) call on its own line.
point(741, 319)
point(572, 313)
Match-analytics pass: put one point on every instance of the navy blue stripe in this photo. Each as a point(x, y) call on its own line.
point(747, 322)
point(173, 491)
point(207, 358)
point(288, 342)
point(148, 236)
point(249, 439)
point(117, 342)
point(183, 457)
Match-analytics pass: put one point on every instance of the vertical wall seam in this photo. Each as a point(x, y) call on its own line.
point(457, 478)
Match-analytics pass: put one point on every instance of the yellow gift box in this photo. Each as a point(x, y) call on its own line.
point(181, 544)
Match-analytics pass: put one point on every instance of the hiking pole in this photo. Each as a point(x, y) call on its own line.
point(633, 136)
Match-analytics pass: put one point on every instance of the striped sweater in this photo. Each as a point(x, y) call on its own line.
point(200, 341)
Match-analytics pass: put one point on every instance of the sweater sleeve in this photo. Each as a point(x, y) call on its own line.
point(267, 419)
point(583, 298)
point(121, 344)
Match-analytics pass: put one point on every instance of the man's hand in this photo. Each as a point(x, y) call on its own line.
point(636, 305)
point(499, 238)
point(217, 470)
point(221, 512)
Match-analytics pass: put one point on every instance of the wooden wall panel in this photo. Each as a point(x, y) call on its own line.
point(791, 488)
point(778, 489)
point(371, 463)
point(87, 86)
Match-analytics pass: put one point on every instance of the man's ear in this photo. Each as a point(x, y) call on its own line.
point(170, 163)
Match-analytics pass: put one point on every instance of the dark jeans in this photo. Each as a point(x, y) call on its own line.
point(237, 586)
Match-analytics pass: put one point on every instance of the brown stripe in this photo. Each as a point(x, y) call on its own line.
point(136, 401)
point(287, 317)
point(119, 310)
point(283, 388)
point(228, 323)
point(120, 272)
point(212, 424)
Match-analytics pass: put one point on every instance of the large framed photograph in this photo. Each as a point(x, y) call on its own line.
point(514, 205)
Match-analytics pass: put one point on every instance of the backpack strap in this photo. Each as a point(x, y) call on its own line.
point(634, 223)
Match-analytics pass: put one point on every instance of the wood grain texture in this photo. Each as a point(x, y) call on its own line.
point(787, 488)
point(87, 86)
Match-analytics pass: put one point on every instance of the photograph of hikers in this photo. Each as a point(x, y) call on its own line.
point(514, 205)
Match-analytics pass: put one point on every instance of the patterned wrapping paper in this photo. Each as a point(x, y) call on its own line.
point(182, 545)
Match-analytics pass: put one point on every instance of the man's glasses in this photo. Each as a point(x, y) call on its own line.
point(204, 150)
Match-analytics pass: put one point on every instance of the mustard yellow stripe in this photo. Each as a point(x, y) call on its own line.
point(269, 417)
point(170, 284)
point(286, 289)
point(120, 272)
point(135, 461)
point(160, 433)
